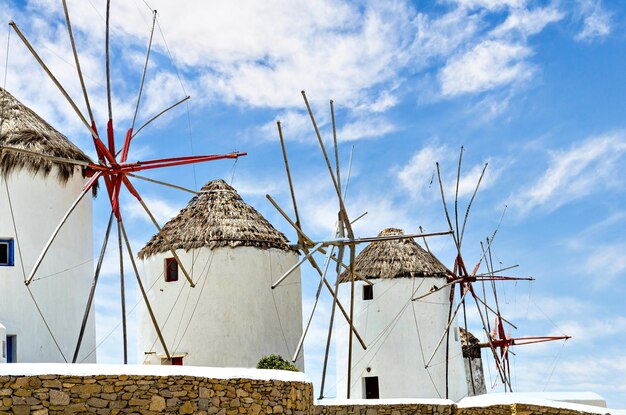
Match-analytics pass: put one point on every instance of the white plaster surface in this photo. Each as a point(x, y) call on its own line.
point(375, 402)
point(66, 273)
point(400, 335)
point(551, 399)
point(33, 369)
point(232, 317)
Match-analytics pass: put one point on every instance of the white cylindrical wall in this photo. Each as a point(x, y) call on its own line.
point(232, 317)
point(62, 283)
point(400, 335)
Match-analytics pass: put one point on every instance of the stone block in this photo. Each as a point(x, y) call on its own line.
point(89, 389)
point(97, 402)
point(58, 398)
point(138, 402)
point(157, 404)
point(187, 408)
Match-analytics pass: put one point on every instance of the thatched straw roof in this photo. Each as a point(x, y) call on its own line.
point(217, 217)
point(20, 127)
point(469, 344)
point(398, 258)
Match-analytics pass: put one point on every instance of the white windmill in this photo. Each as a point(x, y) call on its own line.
point(232, 317)
point(34, 194)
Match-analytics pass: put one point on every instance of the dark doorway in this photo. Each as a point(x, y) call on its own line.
point(11, 349)
point(371, 387)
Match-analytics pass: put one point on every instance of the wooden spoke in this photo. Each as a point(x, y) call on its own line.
point(143, 291)
point(92, 292)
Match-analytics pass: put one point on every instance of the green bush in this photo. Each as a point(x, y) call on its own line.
point(275, 362)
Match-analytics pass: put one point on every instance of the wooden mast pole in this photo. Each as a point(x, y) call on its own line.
point(341, 234)
point(122, 294)
point(143, 291)
point(92, 291)
point(346, 222)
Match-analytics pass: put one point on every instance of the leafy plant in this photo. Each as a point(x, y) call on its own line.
point(274, 361)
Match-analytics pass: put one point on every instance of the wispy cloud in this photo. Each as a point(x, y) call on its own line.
point(585, 168)
point(528, 22)
point(596, 20)
point(488, 65)
point(419, 175)
point(491, 4)
point(162, 209)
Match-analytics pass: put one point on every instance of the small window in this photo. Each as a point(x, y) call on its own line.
point(6, 253)
point(171, 270)
point(371, 387)
point(368, 292)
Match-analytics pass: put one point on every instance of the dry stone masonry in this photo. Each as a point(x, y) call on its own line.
point(146, 395)
point(153, 390)
point(392, 409)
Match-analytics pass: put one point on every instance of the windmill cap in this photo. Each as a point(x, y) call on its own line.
point(399, 258)
point(216, 217)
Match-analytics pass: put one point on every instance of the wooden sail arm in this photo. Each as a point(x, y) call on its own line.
point(519, 341)
point(356, 241)
point(454, 279)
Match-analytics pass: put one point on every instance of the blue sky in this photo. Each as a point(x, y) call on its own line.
point(534, 88)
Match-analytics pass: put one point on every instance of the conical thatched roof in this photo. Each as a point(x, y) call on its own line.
point(20, 127)
point(395, 259)
point(469, 344)
point(217, 217)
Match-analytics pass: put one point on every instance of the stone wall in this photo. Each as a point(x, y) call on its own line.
point(147, 394)
point(446, 409)
point(152, 390)
point(524, 409)
point(391, 409)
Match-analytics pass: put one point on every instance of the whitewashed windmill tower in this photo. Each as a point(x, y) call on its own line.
point(35, 193)
point(231, 317)
point(400, 334)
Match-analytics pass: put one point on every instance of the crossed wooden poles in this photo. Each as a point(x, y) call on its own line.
point(344, 238)
point(115, 170)
point(459, 275)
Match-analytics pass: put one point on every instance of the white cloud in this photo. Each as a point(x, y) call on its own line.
point(420, 171)
point(491, 4)
point(261, 55)
point(596, 20)
point(605, 263)
point(365, 128)
point(419, 175)
point(489, 65)
point(162, 209)
point(587, 167)
point(528, 22)
point(591, 330)
point(440, 36)
point(295, 125)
